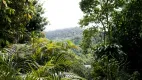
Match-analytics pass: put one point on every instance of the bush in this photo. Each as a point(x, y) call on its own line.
point(110, 64)
point(113, 51)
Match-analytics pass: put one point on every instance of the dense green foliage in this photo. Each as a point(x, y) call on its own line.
point(129, 23)
point(43, 59)
point(108, 48)
point(120, 23)
point(73, 34)
point(37, 57)
point(18, 17)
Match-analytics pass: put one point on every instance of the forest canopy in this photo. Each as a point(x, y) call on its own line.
point(18, 19)
point(107, 48)
point(120, 22)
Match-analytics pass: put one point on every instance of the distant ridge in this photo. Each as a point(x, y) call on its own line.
point(67, 33)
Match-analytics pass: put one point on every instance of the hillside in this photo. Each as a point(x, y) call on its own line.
point(67, 33)
point(74, 34)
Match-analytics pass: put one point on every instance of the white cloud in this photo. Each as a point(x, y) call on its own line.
point(62, 13)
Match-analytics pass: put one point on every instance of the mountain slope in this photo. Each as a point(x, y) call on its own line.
point(68, 33)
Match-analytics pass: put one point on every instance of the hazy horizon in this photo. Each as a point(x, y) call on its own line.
point(62, 13)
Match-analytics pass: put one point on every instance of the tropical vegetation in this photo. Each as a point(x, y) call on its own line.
point(107, 48)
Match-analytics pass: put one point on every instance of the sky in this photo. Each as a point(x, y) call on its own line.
point(62, 13)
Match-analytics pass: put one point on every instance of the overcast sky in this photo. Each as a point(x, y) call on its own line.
point(62, 13)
